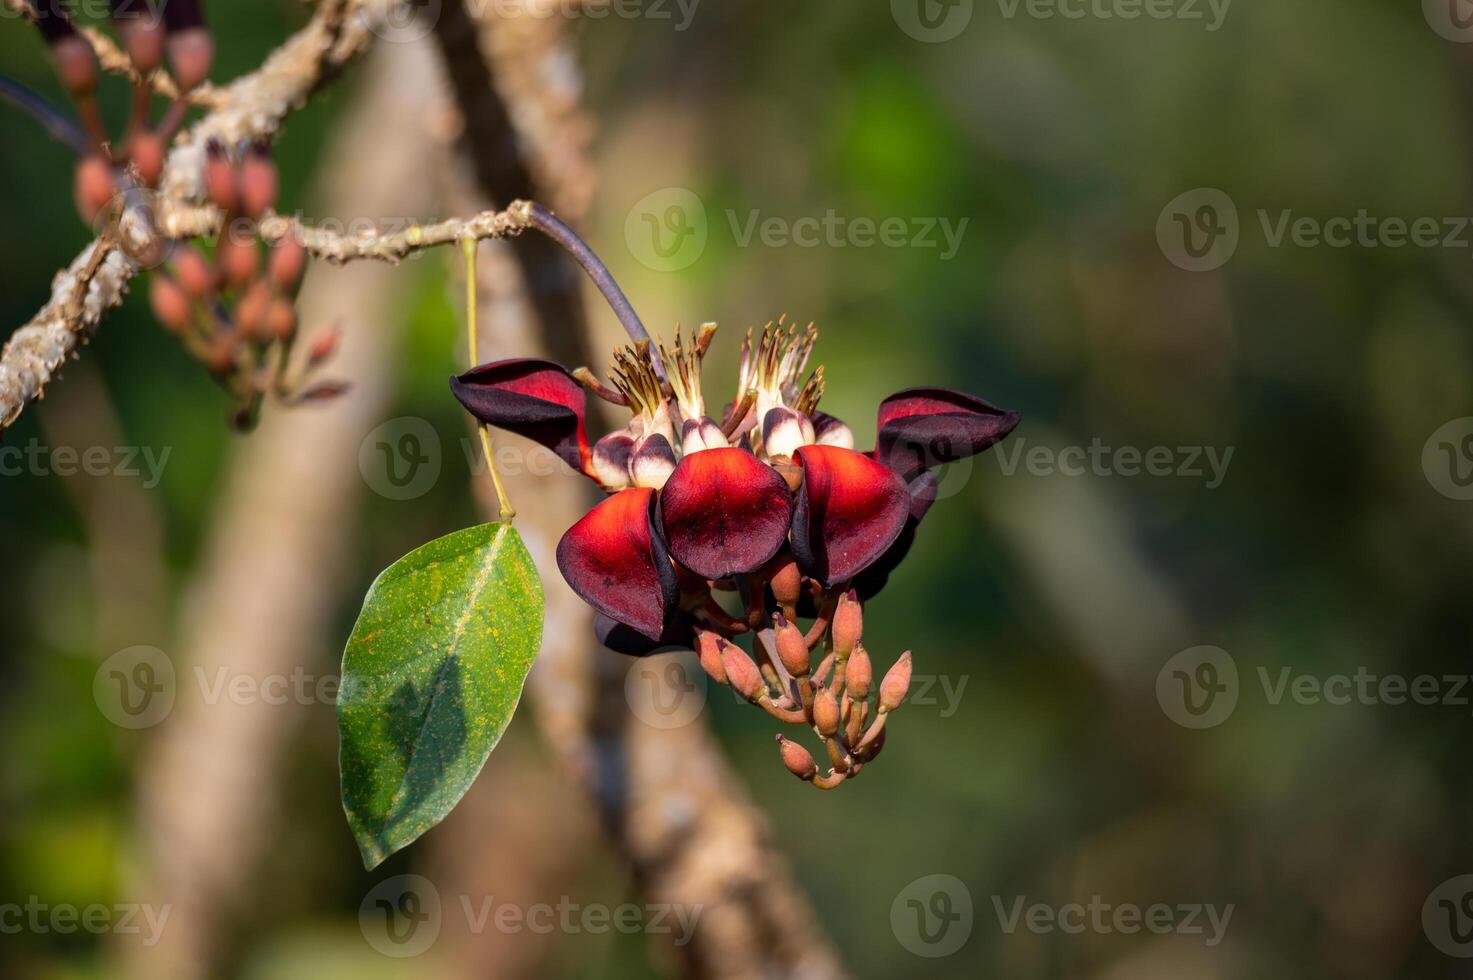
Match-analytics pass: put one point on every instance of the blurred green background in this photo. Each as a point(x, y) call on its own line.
point(1048, 602)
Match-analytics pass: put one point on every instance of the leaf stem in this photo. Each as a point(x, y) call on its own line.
point(469, 246)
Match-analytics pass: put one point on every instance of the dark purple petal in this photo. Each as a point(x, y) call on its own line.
point(533, 398)
point(850, 510)
point(922, 495)
point(725, 512)
point(620, 638)
point(924, 427)
point(617, 564)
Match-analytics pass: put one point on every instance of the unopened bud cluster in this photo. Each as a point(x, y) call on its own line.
point(235, 313)
point(836, 699)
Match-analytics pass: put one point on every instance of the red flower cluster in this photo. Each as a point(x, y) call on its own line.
point(698, 505)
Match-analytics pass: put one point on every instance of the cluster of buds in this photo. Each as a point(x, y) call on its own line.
point(233, 311)
point(834, 700)
point(715, 529)
point(173, 32)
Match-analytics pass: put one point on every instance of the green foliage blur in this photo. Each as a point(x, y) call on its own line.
point(1041, 605)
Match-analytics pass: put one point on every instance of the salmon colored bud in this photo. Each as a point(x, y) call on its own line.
point(220, 178)
point(76, 65)
point(281, 318)
point(708, 647)
point(826, 713)
point(193, 272)
point(896, 684)
point(251, 313)
point(171, 304)
point(858, 673)
point(191, 55)
point(787, 583)
point(146, 151)
point(741, 673)
point(94, 187)
point(236, 261)
point(145, 43)
point(258, 182)
point(792, 648)
point(287, 261)
point(848, 623)
point(220, 358)
point(324, 345)
point(797, 759)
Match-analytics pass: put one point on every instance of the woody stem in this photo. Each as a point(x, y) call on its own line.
point(551, 226)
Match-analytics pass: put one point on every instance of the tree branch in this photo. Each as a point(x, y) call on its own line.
point(249, 109)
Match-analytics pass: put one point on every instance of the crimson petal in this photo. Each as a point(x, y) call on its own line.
point(922, 495)
point(617, 564)
point(532, 397)
point(924, 427)
point(679, 633)
point(725, 512)
point(850, 510)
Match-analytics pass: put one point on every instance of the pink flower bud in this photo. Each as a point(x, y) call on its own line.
point(708, 647)
point(95, 187)
point(191, 55)
point(193, 272)
point(792, 648)
point(76, 65)
point(797, 759)
point(144, 40)
point(171, 305)
point(220, 178)
point(858, 673)
point(281, 318)
point(324, 345)
point(236, 259)
point(742, 673)
point(258, 182)
point(251, 312)
point(848, 623)
point(826, 713)
point(146, 151)
point(896, 684)
point(287, 261)
point(787, 583)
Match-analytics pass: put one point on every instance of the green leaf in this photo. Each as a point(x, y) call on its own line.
point(431, 676)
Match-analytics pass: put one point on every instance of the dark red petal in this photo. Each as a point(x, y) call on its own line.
point(679, 634)
point(533, 398)
point(725, 512)
point(616, 562)
point(922, 495)
point(924, 427)
point(850, 510)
